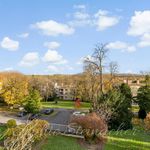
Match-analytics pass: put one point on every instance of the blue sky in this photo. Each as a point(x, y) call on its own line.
point(53, 36)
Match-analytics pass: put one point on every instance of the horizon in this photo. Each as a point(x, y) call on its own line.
point(127, 74)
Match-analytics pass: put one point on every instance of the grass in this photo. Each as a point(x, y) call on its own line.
point(128, 140)
point(2, 129)
point(122, 140)
point(61, 143)
point(68, 104)
point(136, 139)
point(65, 104)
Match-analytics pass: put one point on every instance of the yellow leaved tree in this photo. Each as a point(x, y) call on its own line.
point(14, 87)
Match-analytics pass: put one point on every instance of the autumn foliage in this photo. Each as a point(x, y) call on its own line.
point(147, 122)
point(14, 87)
point(94, 128)
point(22, 137)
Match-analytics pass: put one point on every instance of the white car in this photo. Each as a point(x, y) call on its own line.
point(78, 113)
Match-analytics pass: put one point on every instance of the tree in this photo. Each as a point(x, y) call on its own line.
point(44, 85)
point(33, 101)
point(84, 87)
point(95, 67)
point(96, 62)
point(147, 122)
point(122, 115)
point(14, 88)
point(143, 98)
point(108, 103)
point(147, 79)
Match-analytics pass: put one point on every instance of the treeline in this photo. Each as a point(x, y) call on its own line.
point(15, 86)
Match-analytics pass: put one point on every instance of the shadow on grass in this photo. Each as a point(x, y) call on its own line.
point(59, 143)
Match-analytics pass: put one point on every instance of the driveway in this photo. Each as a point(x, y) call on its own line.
point(60, 116)
point(5, 116)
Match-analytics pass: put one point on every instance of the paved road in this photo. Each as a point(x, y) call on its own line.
point(62, 116)
point(59, 121)
point(5, 116)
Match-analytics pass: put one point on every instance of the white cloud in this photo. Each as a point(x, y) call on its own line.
point(52, 68)
point(9, 69)
point(81, 15)
point(145, 40)
point(118, 45)
point(9, 44)
point(58, 69)
point(53, 28)
point(30, 59)
point(81, 60)
point(139, 23)
point(24, 35)
point(104, 21)
point(80, 19)
point(52, 45)
point(79, 7)
point(101, 13)
point(54, 57)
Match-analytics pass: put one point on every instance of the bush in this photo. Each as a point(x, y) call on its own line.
point(23, 136)
point(147, 122)
point(94, 128)
point(138, 123)
point(11, 123)
point(142, 114)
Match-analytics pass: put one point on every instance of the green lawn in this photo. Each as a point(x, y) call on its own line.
point(2, 129)
point(71, 105)
point(128, 140)
point(124, 140)
point(65, 104)
point(61, 143)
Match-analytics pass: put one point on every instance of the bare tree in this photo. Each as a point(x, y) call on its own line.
point(97, 62)
point(44, 85)
point(96, 67)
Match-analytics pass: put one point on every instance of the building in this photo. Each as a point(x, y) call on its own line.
point(63, 91)
point(133, 80)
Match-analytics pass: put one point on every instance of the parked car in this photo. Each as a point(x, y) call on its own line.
point(48, 111)
point(22, 113)
point(16, 106)
point(34, 116)
point(78, 113)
